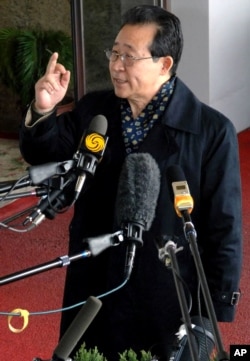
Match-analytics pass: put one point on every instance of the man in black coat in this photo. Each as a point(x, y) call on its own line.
point(149, 111)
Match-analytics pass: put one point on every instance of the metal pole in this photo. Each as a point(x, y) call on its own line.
point(77, 29)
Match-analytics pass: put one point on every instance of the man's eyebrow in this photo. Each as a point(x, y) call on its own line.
point(125, 44)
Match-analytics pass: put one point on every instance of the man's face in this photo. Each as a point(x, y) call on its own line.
point(141, 80)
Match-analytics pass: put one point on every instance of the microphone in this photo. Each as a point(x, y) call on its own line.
point(89, 153)
point(53, 202)
point(183, 202)
point(90, 150)
point(76, 329)
point(96, 245)
point(137, 195)
point(204, 339)
point(39, 173)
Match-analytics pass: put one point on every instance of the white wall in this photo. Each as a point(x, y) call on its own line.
point(216, 55)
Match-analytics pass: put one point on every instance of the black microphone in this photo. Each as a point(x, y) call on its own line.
point(137, 196)
point(53, 202)
point(204, 339)
point(90, 150)
point(76, 329)
point(96, 245)
point(39, 173)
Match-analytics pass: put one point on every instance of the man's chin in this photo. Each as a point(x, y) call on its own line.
point(120, 94)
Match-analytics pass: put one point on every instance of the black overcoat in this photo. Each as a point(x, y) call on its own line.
point(204, 143)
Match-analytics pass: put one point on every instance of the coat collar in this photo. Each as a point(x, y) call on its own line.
point(184, 110)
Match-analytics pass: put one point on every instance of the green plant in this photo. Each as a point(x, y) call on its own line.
point(93, 355)
point(25, 54)
point(130, 355)
point(88, 355)
point(84, 354)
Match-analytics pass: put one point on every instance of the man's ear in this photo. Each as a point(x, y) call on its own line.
point(167, 64)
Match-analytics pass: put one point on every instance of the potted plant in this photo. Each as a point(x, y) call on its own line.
point(24, 57)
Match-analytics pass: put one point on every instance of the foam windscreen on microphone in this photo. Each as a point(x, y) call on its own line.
point(138, 190)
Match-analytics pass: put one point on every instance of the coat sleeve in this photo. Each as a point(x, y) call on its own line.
point(56, 138)
point(221, 216)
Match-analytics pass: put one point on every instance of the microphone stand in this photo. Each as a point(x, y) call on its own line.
point(168, 256)
point(6, 188)
point(16, 184)
point(51, 190)
point(37, 175)
point(190, 234)
point(95, 246)
point(58, 262)
point(38, 192)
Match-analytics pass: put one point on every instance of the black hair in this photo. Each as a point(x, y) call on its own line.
point(168, 39)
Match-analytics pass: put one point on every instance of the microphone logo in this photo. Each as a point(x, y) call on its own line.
point(95, 142)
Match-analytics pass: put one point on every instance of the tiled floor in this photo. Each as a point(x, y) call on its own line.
point(12, 165)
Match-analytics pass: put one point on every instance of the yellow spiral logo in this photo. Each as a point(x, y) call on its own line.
point(94, 142)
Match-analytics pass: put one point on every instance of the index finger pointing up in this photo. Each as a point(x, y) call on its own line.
point(52, 63)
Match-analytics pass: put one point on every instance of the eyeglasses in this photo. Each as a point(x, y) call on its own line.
point(128, 60)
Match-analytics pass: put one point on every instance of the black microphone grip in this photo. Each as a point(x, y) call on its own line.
point(77, 328)
point(42, 206)
point(130, 258)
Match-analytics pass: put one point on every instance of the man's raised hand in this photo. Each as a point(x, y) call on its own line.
point(51, 88)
